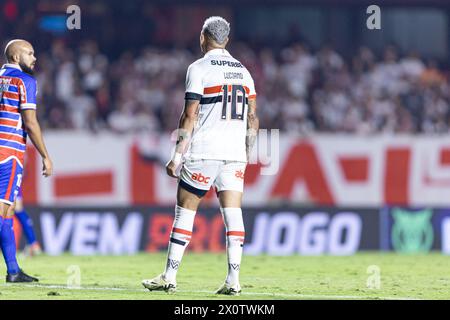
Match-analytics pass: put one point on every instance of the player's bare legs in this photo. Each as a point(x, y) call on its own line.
point(187, 200)
point(18, 205)
point(230, 207)
point(10, 211)
point(4, 209)
point(230, 199)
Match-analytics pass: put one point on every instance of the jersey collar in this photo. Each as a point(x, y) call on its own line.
point(12, 65)
point(217, 52)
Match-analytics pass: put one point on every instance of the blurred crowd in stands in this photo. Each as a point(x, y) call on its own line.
point(304, 92)
point(299, 92)
point(85, 86)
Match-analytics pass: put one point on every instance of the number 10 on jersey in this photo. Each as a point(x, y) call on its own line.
point(233, 96)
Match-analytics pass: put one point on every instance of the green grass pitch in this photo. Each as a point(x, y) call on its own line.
point(262, 277)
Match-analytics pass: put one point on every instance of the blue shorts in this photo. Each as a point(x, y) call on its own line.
point(19, 194)
point(10, 180)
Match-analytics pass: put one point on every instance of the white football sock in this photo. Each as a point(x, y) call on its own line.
point(234, 224)
point(179, 240)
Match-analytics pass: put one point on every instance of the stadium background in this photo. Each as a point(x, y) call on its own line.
point(363, 119)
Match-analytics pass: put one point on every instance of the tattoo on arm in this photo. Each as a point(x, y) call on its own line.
point(252, 126)
point(186, 125)
point(182, 141)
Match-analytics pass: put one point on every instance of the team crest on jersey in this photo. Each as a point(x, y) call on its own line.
point(4, 86)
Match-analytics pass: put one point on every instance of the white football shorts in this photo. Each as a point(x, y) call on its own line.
point(197, 176)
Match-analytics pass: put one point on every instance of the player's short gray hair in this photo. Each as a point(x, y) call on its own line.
point(217, 28)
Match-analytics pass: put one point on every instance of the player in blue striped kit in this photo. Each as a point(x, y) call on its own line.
point(17, 121)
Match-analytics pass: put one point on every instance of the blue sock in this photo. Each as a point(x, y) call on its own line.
point(1, 222)
point(27, 226)
point(8, 245)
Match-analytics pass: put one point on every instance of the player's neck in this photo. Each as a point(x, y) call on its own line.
point(212, 47)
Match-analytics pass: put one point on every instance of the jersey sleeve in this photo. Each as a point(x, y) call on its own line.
point(194, 83)
point(28, 92)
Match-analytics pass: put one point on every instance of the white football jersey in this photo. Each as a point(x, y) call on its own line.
point(223, 86)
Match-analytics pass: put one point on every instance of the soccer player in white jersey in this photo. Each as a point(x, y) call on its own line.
point(216, 133)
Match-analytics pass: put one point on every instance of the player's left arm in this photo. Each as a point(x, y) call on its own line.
point(28, 92)
point(193, 95)
point(252, 126)
point(34, 132)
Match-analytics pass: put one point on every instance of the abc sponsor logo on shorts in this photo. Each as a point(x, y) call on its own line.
point(200, 178)
point(239, 174)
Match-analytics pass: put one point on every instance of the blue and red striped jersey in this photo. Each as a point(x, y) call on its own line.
point(17, 93)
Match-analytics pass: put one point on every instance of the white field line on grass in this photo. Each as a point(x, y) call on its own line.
point(273, 295)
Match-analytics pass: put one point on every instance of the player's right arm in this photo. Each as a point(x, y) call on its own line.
point(194, 92)
point(185, 127)
point(33, 129)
